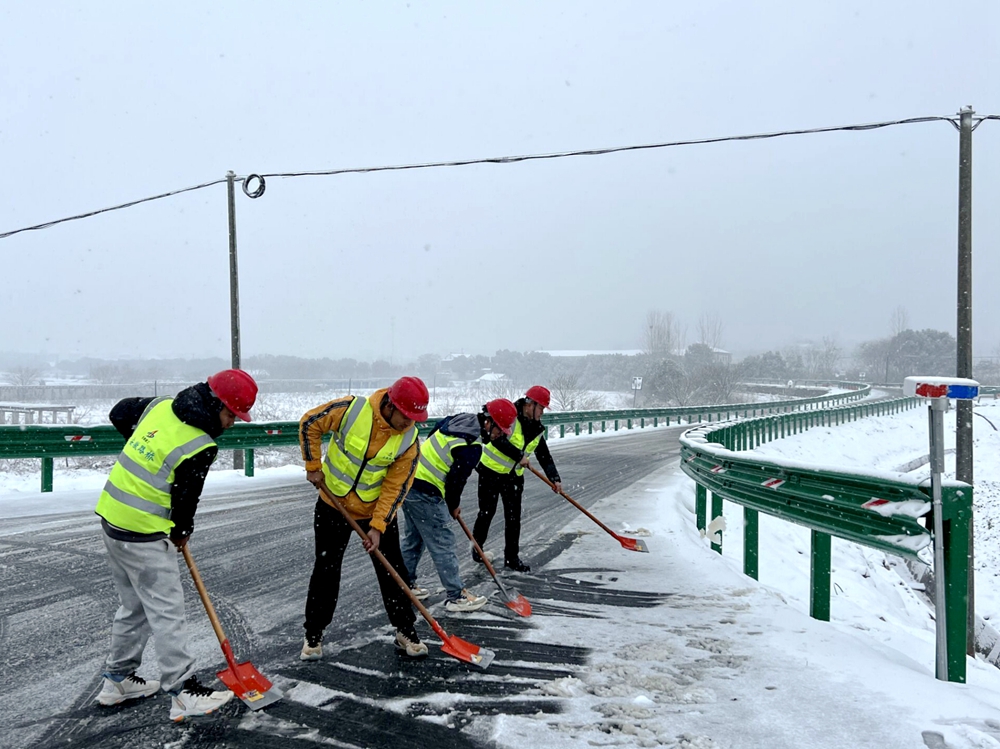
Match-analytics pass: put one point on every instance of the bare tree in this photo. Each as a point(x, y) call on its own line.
point(23, 378)
point(567, 395)
point(502, 387)
point(899, 321)
point(663, 335)
point(710, 330)
point(113, 374)
point(829, 357)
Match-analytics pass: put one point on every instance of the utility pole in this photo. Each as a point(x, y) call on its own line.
point(963, 411)
point(234, 292)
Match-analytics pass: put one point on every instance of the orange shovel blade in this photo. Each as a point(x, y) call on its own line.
point(632, 544)
point(519, 605)
point(456, 647)
point(250, 685)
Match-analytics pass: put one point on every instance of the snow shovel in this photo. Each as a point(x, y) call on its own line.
point(243, 679)
point(632, 544)
point(514, 600)
point(451, 645)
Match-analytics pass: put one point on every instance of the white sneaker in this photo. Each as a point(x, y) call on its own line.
point(194, 700)
point(419, 593)
point(468, 602)
point(410, 644)
point(312, 648)
point(117, 689)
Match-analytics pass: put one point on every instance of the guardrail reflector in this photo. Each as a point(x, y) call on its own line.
point(718, 469)
point(77, 437)
point(874, 502)
point(272, 431)
point(773, 483)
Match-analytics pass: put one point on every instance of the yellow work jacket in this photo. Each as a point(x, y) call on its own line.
point(136, 496)
point(497, 461)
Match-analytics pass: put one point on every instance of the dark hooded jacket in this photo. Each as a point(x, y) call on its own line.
point(197, 407)
point(469, 427)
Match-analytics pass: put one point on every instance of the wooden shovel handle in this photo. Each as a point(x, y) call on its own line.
point(572, 501)
point(385, 563)
point(482, 555)
point(476, 546)
point(196, 576)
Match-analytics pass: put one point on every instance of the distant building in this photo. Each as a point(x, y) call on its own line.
point(580, 353)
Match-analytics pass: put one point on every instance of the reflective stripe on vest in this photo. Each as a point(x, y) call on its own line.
point(345, 466)
point(136, 496)
point(437, 458)
point(497, 461)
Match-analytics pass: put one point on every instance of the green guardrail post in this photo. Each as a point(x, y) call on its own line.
point(700, 506)
point(248, 465)
point(576, 428)
point(47, 474)
point(603, 424)
point(750, 546)
point(616, 425)
point(819, 577)
point(655, 420)
point(590, 427)
point(956, 501)
point(629, 423)
point(717, 513)
point(562, 430)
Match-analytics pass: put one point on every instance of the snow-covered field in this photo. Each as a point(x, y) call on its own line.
point(731, 662)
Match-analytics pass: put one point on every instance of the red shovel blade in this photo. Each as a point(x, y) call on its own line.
point(456, 647)
point(632, 544)
point(519, 605)
point(250, 685)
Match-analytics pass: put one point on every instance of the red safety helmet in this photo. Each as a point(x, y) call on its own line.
point(236, 389)
point(539, 395)
point(503, 413)
point(409, 395)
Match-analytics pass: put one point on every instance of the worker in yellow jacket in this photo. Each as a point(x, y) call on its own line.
point(369, 466)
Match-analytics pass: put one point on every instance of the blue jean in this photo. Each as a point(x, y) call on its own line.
point(429, 524)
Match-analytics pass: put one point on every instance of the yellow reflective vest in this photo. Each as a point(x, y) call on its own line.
point(497, 461)
point(136, 496)
point(436, 457)
point(345, 466)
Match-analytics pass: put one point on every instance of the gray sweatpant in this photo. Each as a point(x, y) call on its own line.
point(147, 577)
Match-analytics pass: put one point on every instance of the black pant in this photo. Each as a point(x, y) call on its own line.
point(332, 535)
point(506, 487)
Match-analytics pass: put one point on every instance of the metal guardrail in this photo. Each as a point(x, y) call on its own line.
point(46, 442)
point(873, 508)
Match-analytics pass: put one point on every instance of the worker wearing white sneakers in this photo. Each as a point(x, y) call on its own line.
point(447, 458)
point(369, 466)
point(147, 512)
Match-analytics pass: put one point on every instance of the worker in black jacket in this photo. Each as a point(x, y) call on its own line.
point(147, 510)
point(501, 475)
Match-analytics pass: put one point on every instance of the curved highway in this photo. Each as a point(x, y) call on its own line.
point(255, 553)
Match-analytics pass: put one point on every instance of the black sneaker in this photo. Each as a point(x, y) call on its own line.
point(517, 565)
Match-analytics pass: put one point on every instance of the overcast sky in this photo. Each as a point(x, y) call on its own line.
point(787, 239)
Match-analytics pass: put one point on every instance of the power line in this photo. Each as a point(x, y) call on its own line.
point(500, 160)
point(131, 203)
point(615, 149)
